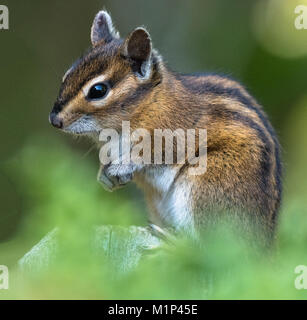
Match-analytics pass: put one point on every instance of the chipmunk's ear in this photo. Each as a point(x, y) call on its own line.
point(102, 29)
point(138, 48)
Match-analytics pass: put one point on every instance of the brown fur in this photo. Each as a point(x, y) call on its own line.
point(243, 172)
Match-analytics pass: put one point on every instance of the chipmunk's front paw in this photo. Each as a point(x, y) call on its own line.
point(113, 177)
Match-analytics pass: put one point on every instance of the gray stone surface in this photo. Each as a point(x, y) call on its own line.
point(123, 246)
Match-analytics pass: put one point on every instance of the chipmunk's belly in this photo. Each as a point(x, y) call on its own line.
point(168, 198)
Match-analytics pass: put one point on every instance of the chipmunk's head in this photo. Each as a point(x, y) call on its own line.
point(105, 86)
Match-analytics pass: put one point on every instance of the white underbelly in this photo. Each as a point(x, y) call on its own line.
point(172, 198)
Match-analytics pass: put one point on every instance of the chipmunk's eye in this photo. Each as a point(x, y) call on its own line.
point(97, 91)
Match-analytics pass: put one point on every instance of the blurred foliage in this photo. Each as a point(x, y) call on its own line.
point(223, 267)
point(48, 179)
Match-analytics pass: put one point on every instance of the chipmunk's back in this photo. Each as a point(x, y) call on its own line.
point(244, 164)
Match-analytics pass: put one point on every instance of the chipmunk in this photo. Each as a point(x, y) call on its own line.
point(127, 80)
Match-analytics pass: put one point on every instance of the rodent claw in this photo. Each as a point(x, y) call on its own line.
point(111, 183)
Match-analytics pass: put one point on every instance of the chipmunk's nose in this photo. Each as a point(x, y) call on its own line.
point(55, 121)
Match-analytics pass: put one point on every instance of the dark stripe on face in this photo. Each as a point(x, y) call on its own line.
point(115, 79)
point(142, 90)
point(91, 65)
point(136, 96)
point(56, 108)
point(65, 97)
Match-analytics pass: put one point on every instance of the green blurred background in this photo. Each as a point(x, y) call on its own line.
point(47, 179)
